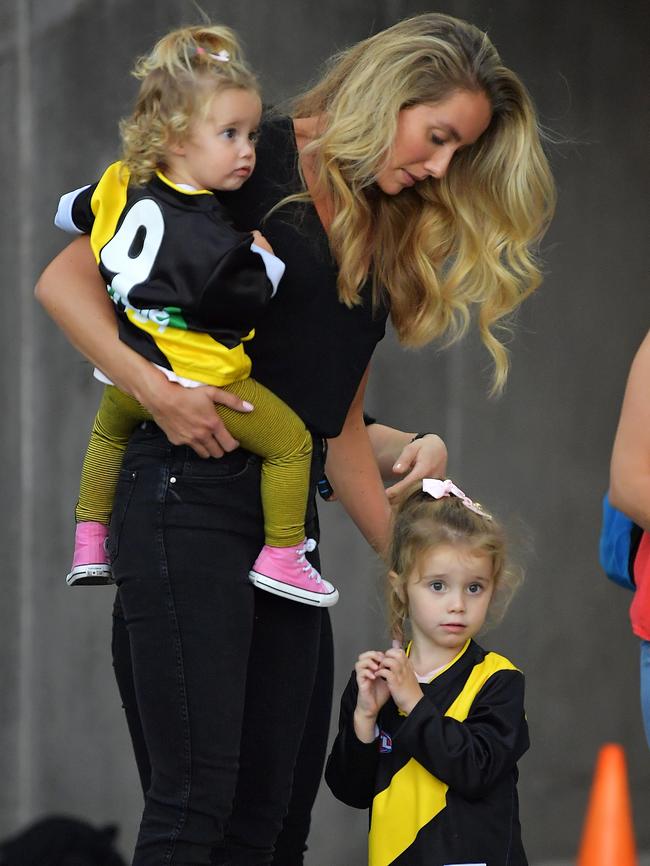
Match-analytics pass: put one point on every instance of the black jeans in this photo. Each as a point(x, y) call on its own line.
point(216, 677)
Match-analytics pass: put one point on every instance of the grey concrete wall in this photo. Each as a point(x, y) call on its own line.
point(538, 456)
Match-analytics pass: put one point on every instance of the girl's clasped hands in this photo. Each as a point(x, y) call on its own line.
point(381, 675)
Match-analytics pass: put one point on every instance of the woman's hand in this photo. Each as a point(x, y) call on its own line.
point(188, 416)
point(424, 458)
point(373, 694)
point(397, 671)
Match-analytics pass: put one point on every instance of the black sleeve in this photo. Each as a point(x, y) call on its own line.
point(352, 765)
point(471, 756)
point(243, 272)
point(74, 213)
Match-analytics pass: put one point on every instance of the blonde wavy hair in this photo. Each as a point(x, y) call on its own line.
point(422, 523)
point(442, 249)
point(179, 78)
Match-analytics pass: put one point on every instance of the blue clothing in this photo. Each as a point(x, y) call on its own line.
point(645, 687)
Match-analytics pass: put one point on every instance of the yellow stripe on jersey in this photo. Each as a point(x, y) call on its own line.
point(184, 189)
point(192, 354)
point(110, 193)
point(491, 664)
point(415, 796)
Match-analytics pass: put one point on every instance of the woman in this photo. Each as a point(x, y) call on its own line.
point(411, 178)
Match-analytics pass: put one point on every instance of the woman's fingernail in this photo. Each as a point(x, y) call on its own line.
point(246, 406)
point(397, 467)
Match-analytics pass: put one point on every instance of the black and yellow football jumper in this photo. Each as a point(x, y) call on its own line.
point(187, 289)
point(440, 783)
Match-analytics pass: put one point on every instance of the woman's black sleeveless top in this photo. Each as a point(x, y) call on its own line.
point(309, 348)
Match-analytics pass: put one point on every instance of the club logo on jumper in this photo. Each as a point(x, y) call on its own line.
point(385, 743)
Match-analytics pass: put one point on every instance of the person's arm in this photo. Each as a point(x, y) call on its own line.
point(352, 764)
point(73, 293)
point(399, 455)
point(352, 470)
point(629, 482)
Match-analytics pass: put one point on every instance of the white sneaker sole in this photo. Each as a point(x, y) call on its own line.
point(90, 575)
point(285, 590)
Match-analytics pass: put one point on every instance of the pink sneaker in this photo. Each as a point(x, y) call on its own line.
point(285, 571)
point(90, 565)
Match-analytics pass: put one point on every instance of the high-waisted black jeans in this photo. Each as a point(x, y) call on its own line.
point(216, 677)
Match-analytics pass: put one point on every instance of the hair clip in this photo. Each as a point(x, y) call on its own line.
point(222, 56)
point(439, 489)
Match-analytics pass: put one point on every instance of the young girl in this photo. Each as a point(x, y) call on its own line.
point(429, 736)
point(188, 289)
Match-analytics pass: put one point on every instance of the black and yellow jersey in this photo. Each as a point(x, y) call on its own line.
point(188, 287)
point(440, 783)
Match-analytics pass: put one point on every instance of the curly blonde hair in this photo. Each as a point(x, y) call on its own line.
point(442, 248)
point(179, 78)
point(422, 523)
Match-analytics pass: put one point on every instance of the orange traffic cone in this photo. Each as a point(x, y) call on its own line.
point(608, 834)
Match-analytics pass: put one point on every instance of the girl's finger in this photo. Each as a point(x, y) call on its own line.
point(376, 655)
point(394, 653)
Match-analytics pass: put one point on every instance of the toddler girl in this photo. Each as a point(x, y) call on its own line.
point(188, 289)
point(430, 734)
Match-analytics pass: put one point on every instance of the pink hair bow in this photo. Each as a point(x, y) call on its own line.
point(438, 489)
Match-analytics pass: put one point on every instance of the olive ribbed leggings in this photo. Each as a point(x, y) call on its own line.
point(272, 430)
